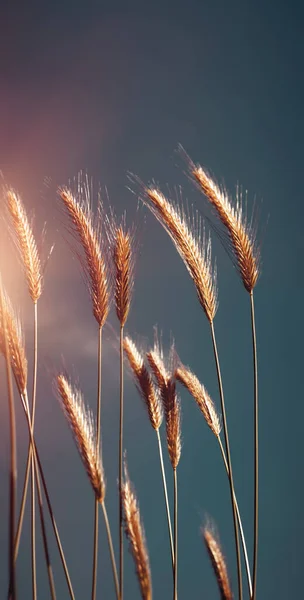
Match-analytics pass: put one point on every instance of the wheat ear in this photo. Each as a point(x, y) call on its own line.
point(135, 533)
point(151, 397)
point(218, 564)
point(193, 247)
point(189, 380)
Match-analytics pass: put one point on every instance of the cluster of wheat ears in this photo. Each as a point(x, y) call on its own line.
point(106, 247)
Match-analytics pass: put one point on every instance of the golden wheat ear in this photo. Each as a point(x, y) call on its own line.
point(26, 243)
point(218, 563)
point(83, 428)
point(135, 533)
point(193, 246)
point(144, 383)
point(15, 340)
point(242, 237)
point(92, 254)
point(187, 378)
point(123, 244)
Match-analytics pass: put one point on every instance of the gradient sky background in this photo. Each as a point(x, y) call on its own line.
point(115, 86)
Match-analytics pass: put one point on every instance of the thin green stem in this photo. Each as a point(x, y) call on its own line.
point(175, 537)
point(239, 522)
point(166, 496)
point(121, 411)
point(96, 507)
point(13, 455)
point(230, 474)
point(256, 450)
point(115, 576)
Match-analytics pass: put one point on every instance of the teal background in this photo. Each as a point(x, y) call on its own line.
point(112, 87)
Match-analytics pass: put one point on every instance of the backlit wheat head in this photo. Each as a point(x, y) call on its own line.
point(144, 383)
point(136, 535)
point(218, 564)
point(81, 422)
point(185, 376)
point(15, 343)
point(241, 233)
point(122, 241)
point(193, 247)
point(86, 229)
point(26, 244)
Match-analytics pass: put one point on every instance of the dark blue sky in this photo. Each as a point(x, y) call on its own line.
point(115, 86)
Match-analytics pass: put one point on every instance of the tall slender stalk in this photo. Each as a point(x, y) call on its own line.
point(33, 518)
point(239, 522)
point(230, 474)
point(110, 541)
point(166, 495)
point(13, 454)
point(96, 503)
point(175, 536)
point(121, 414)
point(256, 449)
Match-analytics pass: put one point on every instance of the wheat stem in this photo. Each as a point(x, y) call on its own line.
point(175, 536)
point(256, 449)
point(166, 495)
point(33, 517)
point(230, 474)
point(121, 410)
point(110, 541)
point(96, 507)
point(239, 521)
point(13, 453)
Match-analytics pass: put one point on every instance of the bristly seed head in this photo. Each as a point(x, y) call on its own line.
point(15, 340)
point(135, 533)
point(122, 242)
point(144, 383)
point(185, 376)
point(82, 425)
point(26, 244)
point(192, 246)
point(94, 263)
point(242, 234)
point(218, 564)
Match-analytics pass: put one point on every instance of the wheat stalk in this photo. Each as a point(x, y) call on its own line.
point(135, 533)
point(15, 341)
point(122, 243)
point(194, 248)
point(218, 564)
point(246, 254)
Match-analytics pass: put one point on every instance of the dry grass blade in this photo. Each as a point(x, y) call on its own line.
point(192, 246)
point(15, 343)
point(94, 265)
point(81, 422)
point(185, 376)
point(136, 536)
point(241, 233)
point(144, 383)
point(218, 563)
point(26, 244)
